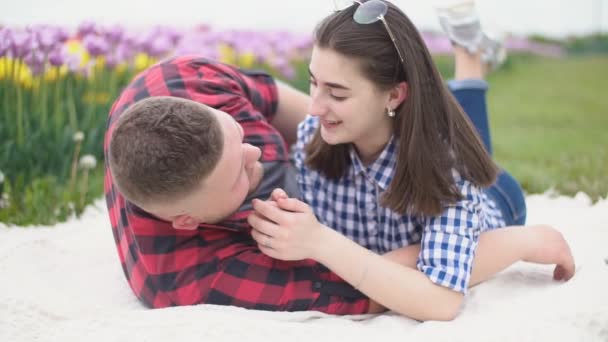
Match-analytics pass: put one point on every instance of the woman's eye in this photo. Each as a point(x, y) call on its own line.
point(338, 98)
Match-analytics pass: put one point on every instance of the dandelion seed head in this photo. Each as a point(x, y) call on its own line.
point(78, 136)
point(88, 162)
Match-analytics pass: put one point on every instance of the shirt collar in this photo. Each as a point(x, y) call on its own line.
point(382, 169)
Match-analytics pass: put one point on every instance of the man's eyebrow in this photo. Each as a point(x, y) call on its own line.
point(330, 84)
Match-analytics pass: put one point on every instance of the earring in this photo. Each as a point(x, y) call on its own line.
point(390, 113)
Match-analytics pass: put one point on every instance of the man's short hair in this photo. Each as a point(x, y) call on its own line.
point(162, 148)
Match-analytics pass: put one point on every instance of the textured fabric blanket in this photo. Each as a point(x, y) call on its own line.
point(64, 283)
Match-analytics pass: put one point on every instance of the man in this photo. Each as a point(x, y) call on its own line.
point(189, 143)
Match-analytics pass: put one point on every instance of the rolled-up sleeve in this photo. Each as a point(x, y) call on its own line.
point(449, 241)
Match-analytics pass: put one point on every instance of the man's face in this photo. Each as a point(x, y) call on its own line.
point(237, 174)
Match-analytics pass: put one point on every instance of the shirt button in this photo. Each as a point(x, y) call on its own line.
point(317, 285)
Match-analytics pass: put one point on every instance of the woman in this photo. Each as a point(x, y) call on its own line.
point(389, 159)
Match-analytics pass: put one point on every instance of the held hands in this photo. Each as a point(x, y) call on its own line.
point(285, 228)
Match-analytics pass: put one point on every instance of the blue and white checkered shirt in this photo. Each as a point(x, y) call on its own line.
point(351, 206)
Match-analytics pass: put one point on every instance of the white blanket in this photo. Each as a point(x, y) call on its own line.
point(65, 283)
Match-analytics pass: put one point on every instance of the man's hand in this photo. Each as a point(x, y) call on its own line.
point(285, 229)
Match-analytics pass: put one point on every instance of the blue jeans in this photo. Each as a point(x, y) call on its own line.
point(506, 191)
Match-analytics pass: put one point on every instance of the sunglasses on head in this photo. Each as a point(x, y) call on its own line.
point(369, 12)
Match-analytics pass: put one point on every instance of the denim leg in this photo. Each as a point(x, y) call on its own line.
point(509, 199)
point(471, 94)
point(506, 192)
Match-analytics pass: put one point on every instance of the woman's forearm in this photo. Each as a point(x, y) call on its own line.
point(497, 249)
point(398, 288)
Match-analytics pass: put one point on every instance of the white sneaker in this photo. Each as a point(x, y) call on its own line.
point(493, 51)
point(460, 21)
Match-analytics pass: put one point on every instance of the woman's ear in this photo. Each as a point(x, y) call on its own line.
point(185, 222)
point(397, 95)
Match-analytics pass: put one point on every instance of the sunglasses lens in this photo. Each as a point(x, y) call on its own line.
point(370, 11)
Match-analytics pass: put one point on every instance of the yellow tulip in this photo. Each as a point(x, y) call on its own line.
point(121, 68)
point(227, 54)
point(246, 60)
point(51, 74)
point(143, 61)
point(75, 47)
point(5, 67)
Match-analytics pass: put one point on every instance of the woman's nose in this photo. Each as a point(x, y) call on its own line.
point(317, 106)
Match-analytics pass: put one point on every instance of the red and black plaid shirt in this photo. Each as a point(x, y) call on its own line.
point(215, 264)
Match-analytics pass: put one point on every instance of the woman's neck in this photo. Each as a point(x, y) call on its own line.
point(370, 146)
point(368, 153)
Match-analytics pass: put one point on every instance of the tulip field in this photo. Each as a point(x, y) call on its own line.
point(57, 85)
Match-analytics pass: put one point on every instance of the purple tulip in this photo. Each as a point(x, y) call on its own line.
point(124, 52)
point(56, 57)
point(5, 42)
point(62, 35)
point(159, 46)
point(284, 67)
point(114, 34)
point(174, 35)
point(262, 51)
point(46, 37)
point(130, 39)
point(542, 49)
point(96, 45)
point(111, 61)
point(283, 47)
point(86, 28)
point(21, 43)
point(437, 44)
point(35, 61)
point(199, 44)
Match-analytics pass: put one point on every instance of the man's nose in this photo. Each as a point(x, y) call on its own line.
point(253, 153)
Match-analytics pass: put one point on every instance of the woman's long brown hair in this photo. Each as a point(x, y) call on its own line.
point(434, 134)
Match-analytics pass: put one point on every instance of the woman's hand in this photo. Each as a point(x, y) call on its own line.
point(285, 228)
point(548, 246)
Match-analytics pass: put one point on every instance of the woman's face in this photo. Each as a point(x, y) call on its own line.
point(351, 109)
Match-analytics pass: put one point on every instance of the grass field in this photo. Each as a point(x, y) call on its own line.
point(549, 119)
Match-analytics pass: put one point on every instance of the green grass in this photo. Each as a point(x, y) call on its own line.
point(549, 120)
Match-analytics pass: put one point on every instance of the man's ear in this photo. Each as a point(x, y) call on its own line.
point(397, 95)
point(185, 222)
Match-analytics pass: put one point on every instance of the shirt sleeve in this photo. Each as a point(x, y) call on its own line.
point(261, 89)
point(305, 177)
point(449, 241)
